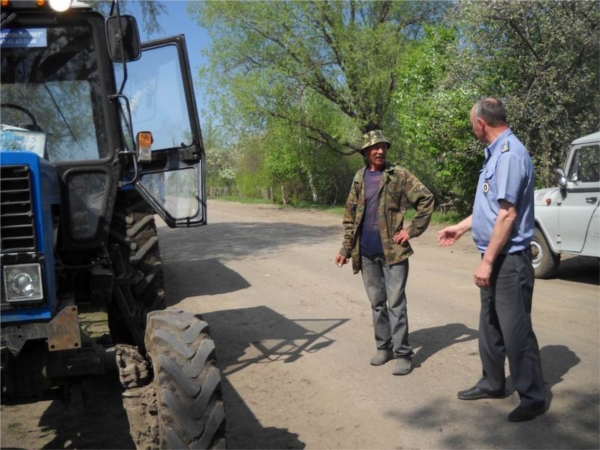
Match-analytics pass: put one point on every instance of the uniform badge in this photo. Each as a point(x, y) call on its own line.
point(486, 187)
point(505, 147)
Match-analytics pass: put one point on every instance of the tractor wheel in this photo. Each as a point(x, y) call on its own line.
point(136, 255)
point(186, 381)
point(545, 261)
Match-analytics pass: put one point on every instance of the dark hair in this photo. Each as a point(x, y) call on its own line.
point(491, 110)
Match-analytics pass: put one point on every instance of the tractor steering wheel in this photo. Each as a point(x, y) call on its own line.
point(31, 127)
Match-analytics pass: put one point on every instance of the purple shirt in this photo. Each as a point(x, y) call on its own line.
point(370, 238)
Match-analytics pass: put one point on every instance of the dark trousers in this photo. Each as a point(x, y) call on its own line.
point(505, 330)
point(385, 286)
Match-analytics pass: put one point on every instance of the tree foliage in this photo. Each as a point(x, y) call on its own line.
point(543, 58)
point(220, 160)
point(435, 140)
point(269, 55)
point(295, 78)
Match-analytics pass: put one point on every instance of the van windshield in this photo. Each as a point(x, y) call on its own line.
point(51, 93)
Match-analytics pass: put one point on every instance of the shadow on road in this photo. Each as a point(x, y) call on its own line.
point(259, 335)
point(102, 424)
point(244, 431)
point(428, 341)
point(210, 275)
point(557, 360)
point(235, 240)
point(580, 269)
point(576, 428)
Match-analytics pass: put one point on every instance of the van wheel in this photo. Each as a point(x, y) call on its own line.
point(545, 262)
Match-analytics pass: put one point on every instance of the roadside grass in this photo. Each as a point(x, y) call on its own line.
point(448, 218)
point(233, 198)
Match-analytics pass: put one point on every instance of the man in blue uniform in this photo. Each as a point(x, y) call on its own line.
point(502, 226)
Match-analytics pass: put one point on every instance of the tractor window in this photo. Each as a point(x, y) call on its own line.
point(158, 104)
point(51, 85)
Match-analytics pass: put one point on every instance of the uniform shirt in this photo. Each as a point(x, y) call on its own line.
point(507, 174)
point(370, 238)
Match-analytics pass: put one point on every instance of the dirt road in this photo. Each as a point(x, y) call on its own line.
point(294, 338)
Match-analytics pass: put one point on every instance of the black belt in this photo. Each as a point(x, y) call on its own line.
point(527, 251)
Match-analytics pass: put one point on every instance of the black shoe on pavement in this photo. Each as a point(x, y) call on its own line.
point(476, 394)
point(521, 414)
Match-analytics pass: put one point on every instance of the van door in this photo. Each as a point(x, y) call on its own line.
point(576, 213)
point(161, 96)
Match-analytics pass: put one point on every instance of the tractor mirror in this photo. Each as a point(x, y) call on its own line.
point(123, 38)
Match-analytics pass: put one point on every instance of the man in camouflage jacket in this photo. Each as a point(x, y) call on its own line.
point(378, 199)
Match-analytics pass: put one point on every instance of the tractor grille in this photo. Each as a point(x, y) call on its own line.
point(17, 232)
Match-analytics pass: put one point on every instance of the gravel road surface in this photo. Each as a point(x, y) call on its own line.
point(294, 338)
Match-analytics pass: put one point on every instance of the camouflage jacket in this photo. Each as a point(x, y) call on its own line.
point(397, 190)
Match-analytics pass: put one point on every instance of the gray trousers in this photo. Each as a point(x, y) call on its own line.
point(385, 286)
point(505, 330)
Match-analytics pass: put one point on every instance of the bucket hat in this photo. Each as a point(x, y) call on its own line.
point(372, 138)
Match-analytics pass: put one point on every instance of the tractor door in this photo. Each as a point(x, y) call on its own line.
point(160, 90)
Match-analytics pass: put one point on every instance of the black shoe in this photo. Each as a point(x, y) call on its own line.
point(521, 414)
point(476, 394)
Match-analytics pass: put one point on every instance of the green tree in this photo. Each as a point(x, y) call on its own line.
point(305, 173)
point(542, 58)
point(221, 160)
point(267, 56)
point(434, 138)
point(251, 176)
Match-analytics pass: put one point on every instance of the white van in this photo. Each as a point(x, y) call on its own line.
point(567, 217)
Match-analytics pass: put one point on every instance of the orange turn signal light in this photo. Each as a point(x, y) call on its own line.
point(40, 3)
point(5, 3)
point(144, 143)
point(145, 139)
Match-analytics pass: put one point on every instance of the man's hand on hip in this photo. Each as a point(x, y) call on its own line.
point(401, 237)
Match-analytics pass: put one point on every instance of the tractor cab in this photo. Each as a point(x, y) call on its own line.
point(76, 91)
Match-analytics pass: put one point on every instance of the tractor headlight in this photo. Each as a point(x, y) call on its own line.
point(23, 283)
point(60, 5)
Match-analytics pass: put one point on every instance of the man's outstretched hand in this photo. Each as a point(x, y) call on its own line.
point(448, 236)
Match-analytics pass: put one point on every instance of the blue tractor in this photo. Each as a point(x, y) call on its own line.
point(99, 134)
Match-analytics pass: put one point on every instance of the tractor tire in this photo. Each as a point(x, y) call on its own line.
point(134, 246)
point(187, 382)
point(545, 262)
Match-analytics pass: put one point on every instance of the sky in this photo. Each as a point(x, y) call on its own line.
point(178, 21)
